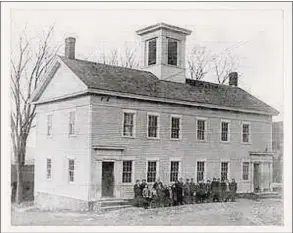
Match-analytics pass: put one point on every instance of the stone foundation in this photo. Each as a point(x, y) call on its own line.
point(48, 201)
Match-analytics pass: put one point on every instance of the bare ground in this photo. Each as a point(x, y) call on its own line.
point(242, 212)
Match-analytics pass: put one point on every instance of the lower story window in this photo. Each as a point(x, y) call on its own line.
point(127, 172)
point(224, 170)
point(71, 168)
point(174, 171)
point(245, 170)
point(200, 171)
point(152, 171)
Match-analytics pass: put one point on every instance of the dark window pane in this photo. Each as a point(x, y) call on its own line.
point(127, 172)
point(151, 173)
point(172, 52)
point(175, 127)
point(174, 171)
point(152, 52)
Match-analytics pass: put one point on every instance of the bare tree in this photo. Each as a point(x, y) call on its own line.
point(223, 64)
point(198, 62)
point(28, 63)
point(125, 57)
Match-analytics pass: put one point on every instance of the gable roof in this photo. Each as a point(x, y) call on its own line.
point(143, 83)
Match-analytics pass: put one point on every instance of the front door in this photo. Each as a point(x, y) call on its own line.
point(107, 179)
point(256, 177)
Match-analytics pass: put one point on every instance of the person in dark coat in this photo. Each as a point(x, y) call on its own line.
point(157, 183)
point(208, 191)
point(142, 185)
point(233, 189)
point(192, 190)
point(200, 192)
point(186, 191)
point(179, 190)
point(215, 190)
point(223, 190)
point(137, 193)
point(174, 194)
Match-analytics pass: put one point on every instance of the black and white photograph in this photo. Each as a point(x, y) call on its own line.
point(146, 115)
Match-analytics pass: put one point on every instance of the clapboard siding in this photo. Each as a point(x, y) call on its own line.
point(107, 130)
point(60, 146)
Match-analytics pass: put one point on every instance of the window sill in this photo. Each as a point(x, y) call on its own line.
point(246, 143)
point(202, 141)
point(225, 142)
point(72, 135)
point(175, 139)
point(127, 184)
point(131, 137)
point(151, 138)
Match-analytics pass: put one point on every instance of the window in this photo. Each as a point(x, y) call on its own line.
point(127, 172)
point(71, 123)
point(175, 127)
point(172, 52)
point(201, 130)
point(225, 131)
point(71, 168)
point(174, 172)
point(128, 124)
point(200, 171)
point(152, 52)
point(245, 133)
point(153, 126)
point(224, 170)
point(152, 171)
point(49, 168)
point(245, 171)
point(49, 124)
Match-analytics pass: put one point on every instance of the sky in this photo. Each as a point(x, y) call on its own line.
point(255, 36)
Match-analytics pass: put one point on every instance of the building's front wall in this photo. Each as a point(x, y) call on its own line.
point(60, 147)
point(107, 118)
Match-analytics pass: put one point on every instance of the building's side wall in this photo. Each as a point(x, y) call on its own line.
point(60, 147)
point(107, 130)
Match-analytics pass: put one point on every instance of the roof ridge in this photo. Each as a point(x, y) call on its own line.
point(103, 64)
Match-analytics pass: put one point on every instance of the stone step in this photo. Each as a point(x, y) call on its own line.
point(268, 195)
point(110, 208)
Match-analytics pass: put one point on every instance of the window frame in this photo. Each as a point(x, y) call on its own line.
point(179, 160)
point(74, 170)
point(51, 134)
point(249, 132)
point(134, 123)
point(132, 172)
point(205, 168)
point(177, 52)
point(74, 133)
point(206, 128)
point(228, 172)
point(157, 168)
point(180, 127)
point(228, 132)
point(147, 51)
point(249, 170)
point(158, 125)
point(48, 178)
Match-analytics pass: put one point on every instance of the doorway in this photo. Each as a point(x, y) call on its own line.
point(256, 177)
point(107, 179)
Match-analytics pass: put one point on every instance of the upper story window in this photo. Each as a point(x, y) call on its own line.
point(245, 133)
point(49, 168)
point(127, 172)
point(72, 123)
point(71, 168)
point(201, 129)
point(152, 51)
point(172, 52)
point(49, 124)
point(175, 127)
point(129, 124)
point(225, 131)
point(153, 126)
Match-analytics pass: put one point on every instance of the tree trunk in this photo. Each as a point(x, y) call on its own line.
point(19, 185)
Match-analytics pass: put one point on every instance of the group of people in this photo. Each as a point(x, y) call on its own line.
point(179, 193)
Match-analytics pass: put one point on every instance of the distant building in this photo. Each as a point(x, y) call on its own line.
point(277, 146)
point(101, 127)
